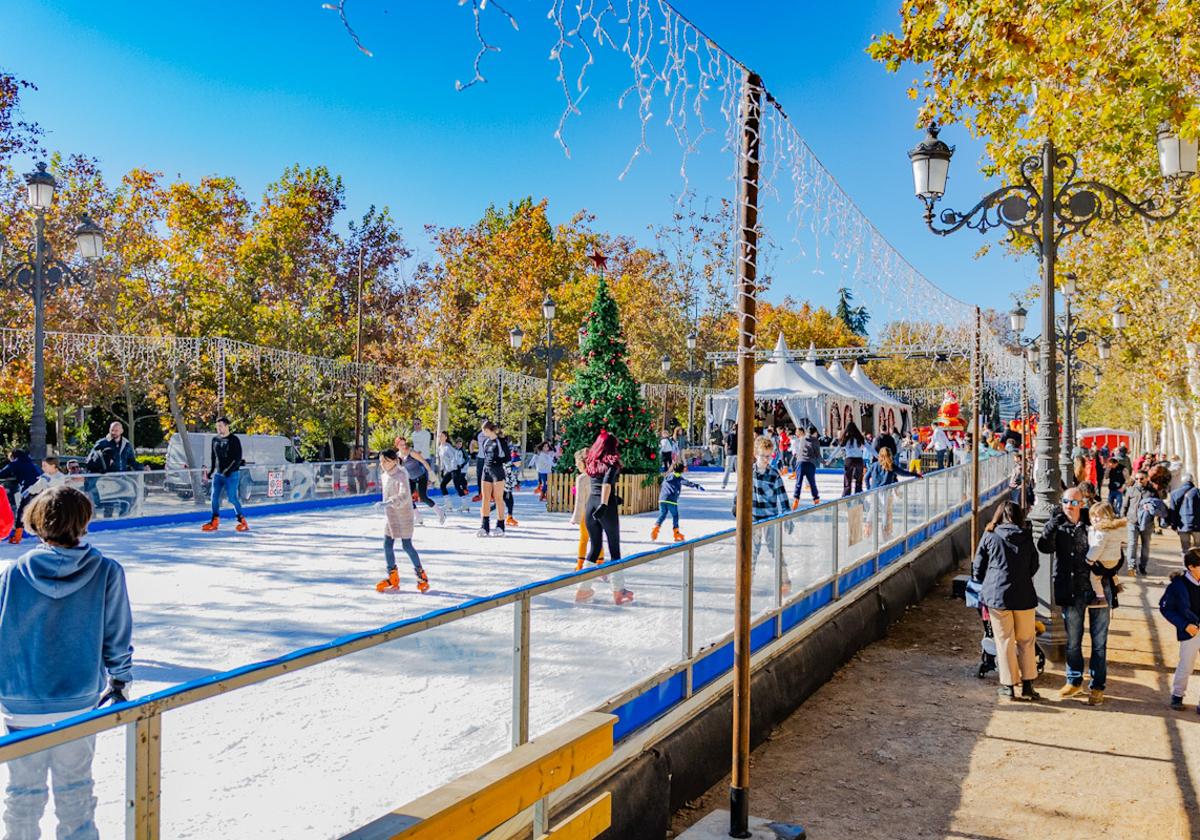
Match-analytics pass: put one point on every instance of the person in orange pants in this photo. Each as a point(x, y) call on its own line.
point(583, 489)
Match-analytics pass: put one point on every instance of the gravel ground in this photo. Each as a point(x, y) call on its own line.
point(906, 742)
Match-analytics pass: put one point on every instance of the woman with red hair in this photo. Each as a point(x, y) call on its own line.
point(603, 466)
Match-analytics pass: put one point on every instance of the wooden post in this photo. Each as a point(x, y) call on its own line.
point(747, 269)
point(976, 406)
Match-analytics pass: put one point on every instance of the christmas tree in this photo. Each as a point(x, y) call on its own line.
point(605, 395)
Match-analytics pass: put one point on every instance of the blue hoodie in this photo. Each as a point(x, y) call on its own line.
point(64, 622)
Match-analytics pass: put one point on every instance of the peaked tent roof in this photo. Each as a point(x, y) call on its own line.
point(839, 375)
point(822, 376)
point(863, 381)
point(780, 370)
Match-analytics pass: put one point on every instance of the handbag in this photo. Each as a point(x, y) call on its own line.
point(974, 589)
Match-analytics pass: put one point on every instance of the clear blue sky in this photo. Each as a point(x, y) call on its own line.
point(248, 89)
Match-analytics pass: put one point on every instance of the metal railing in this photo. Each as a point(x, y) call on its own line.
point(500, 679)
point(129, 495)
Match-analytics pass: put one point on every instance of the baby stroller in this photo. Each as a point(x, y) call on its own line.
point(987, 646)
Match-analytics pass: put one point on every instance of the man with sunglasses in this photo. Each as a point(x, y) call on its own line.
point(1066, 537)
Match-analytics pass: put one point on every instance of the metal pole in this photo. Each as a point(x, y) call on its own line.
point(1024, 439)
point(549, 379)
point(691, 399)
point(1065, 463)
point(37, 423)
point(358, 412)
point(1046, 477)
point(976, 407)
point(747, 269)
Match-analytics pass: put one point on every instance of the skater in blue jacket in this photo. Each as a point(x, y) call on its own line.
point(668, 500)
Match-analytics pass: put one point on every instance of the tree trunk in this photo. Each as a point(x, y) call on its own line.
point(60, 429)
point(130, 417)
point(182, 430)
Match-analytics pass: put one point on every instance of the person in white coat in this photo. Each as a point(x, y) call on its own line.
point(398, 521)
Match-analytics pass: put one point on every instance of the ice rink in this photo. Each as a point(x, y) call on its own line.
point(332, 747)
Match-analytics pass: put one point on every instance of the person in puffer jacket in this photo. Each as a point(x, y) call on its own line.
point(65, 632)
point(1180, 605)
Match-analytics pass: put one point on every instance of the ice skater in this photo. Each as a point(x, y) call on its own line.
point(225, 470)
point(451, 462)
point(603, 466)
point(418, 470)
point(543, 463)
point(493, 453)
point(668, 500)
point(398, 522)
point(769, 499)
point(512, 481)
point(65, 630)
point(583, 490)
point(806, 465)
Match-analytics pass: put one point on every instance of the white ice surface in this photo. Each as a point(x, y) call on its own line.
point(325, 750)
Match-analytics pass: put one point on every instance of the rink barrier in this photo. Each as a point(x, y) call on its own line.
point(483, 799)
point(635, 707)
point(139, 482)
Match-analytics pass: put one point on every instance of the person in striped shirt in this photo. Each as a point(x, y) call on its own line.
point(769, 498)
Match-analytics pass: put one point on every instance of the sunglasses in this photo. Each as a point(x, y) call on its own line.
point(1072, 503)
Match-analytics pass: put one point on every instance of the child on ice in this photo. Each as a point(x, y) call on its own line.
point(65, 630)
point(543, 463)
point(769, 499)
point(398, 522)
point(668, 500)
point(512, 480)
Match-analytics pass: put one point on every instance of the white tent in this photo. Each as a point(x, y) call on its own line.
point(779, 380)
point(843, 404)
point(889, 412)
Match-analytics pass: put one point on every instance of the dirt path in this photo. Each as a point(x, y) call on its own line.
point(905, 742)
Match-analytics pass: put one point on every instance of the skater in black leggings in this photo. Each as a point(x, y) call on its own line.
point(603, 466)
point(494, 455)
point(417, 467)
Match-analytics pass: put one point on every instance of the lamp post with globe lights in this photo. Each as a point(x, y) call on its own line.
point(40, 273)
point(546, 353)
point(1047, 204)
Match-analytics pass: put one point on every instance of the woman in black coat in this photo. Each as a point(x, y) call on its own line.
point(1005, 564)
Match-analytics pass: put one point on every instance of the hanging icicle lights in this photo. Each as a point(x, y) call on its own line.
point(227, 357)
point(675, 65)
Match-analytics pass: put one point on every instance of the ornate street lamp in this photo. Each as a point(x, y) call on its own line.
point(1176, 157)
point(39, 273)
point(546, 353)
point(1047, 204)
point(1016, 319)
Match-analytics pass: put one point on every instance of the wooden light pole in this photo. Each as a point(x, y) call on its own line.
point(747, 269)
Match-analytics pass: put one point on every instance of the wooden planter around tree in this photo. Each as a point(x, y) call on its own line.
point(640, 493)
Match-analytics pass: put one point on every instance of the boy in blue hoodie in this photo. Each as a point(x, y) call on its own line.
point(65, 628)
point(1180, 605)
